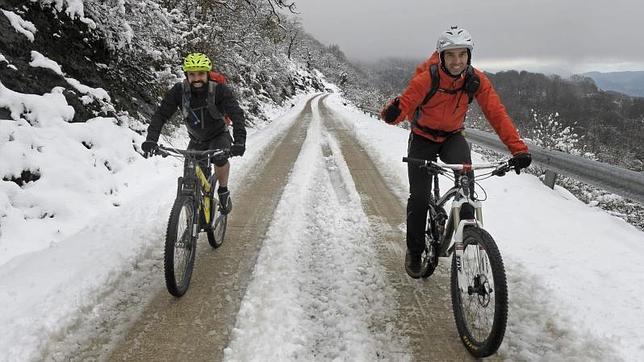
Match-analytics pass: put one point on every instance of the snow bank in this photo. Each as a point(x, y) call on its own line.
point(22, 26)
point(63, 172)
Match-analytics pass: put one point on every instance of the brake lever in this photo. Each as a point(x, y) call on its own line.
point(501, 171)
point(432, 169)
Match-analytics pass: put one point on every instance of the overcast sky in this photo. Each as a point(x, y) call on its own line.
point(560, 36)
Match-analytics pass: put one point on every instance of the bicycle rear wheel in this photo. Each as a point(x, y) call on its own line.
point(180, 245)
point(429, 258)
point(481, 304)
point(217, 230)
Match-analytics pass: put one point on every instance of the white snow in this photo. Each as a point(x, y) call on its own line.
point(74, 162)
point(48, 109)
point(105, 225)
point(98, 93)
point(24, 27)
point(574, 271)
point(73, 9)
point(39, 60)
point(315, 290)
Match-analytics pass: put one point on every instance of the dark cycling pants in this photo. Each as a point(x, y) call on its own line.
point(453, 150)
point(222, 140)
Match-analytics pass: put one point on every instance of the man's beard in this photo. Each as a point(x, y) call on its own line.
point(194, 88)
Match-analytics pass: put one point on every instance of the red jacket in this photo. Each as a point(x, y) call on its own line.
point(446, 112)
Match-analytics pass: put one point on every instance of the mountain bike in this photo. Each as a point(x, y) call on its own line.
point(477, 282)
point(195, 209)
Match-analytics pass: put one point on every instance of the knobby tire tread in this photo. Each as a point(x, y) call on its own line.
point(177, 288)
point(489, 346)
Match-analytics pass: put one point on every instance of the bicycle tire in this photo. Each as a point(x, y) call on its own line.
point(478, 346)
point(217, 229)
point(429, 258)
point(179, 240)
point(217, 232)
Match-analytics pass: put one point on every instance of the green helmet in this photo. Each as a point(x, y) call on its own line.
point(196, 62)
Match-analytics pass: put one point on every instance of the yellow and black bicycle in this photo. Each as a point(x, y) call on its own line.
point(195, 209)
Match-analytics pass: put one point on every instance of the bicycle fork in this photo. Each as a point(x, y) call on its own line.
point(465, 213)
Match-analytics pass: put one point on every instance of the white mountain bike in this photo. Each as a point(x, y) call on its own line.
point(478, 283)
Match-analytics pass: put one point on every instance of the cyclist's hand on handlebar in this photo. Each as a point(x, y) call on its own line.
point(149, 148)
point(237, 149)
point(519, 161)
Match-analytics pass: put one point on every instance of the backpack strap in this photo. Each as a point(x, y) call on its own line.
point(435, 78)
point(185, 99)
point(433, 71)
point(471, 84)
point(210, 102)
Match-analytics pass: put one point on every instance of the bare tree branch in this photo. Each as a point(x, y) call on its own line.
point(281, 4)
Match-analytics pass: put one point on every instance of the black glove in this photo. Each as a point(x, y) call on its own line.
point(237, 149)
point(519, 161)
point(149, 147)
point(391, 113)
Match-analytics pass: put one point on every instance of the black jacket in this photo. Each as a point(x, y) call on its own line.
point(201, 125)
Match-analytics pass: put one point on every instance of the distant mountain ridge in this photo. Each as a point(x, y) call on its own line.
point(630, 83)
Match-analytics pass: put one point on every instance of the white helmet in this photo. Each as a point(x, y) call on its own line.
point(454, 38)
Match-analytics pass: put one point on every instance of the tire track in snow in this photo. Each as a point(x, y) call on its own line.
point(535, 331)
point(424, 312)
point(197, 326)
point(316, 293)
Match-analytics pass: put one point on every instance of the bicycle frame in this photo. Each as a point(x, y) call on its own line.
point(452, 234)
point(451, 239)
point(204, 191)
point(453, 231)
point(193, 174)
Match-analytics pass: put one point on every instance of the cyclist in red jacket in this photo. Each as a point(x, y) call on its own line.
point(435, 102)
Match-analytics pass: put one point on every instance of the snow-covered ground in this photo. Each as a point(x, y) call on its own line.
point(69, 239)
point(573, 270)
point(316, 293)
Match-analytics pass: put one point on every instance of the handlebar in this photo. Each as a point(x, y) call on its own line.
point(170, 151)
point(500, 168)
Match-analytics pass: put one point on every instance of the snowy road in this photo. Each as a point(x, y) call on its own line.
point(328, 282)
point(197, 326)
point(312, 266)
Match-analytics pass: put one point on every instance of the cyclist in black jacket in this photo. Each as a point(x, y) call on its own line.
point(204, 104)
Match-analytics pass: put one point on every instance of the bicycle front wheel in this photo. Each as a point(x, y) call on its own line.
point(180, 245)
point(480, 304)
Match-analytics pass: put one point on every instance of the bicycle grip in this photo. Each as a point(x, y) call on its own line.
point(414, 161)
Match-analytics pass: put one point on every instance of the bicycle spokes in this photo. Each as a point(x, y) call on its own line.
point(477, 295)
point(183, 246)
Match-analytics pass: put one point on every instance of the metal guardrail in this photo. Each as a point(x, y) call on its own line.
point(623, 182)
point(626, 183)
